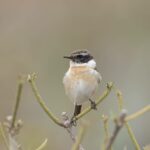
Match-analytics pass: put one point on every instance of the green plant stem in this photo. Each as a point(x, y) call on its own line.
point(106, 131)
point(138, 113)
point(104, 95)
point(130, 132)
point(42, 145)
point(39, 99)
point(4, 136)
point(105, 121)
point(132, 136)
point(18, 98)
point(42, 103)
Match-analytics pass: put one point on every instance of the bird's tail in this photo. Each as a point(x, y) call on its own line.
point(77, 109)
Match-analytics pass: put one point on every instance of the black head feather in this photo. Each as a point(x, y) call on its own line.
point(80, 56)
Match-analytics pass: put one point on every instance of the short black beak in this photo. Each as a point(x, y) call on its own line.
point(68, 57)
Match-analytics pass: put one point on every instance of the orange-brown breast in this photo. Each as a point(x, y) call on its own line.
point(82, 72)
point(80, 82)
point(77, 73)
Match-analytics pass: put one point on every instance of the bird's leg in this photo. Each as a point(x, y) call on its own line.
point(93, 104)
point(77, 111)
point(73, 121)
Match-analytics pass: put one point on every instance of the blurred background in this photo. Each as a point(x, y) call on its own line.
point(34, 37)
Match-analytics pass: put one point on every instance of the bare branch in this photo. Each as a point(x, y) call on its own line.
point(18, 98)
point(138, 113)
point(106, 136)
point(146, 147)
point(12, 126)
point(66, 121)
point(77, 144)
point(42, 145)
point(100, 99)
point(12, 133)
point(118, 125)
point(130, 132)
point(4, 136)
point(31, 80)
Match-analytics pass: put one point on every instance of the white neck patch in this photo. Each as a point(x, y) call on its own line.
point(90, 63)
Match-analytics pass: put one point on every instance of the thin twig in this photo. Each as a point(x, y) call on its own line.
point(4, 136)
point(98, 101)
point(146, 147)
point(76, 145)
point(138, 113)
point(42, 145)
point(66, 121)
point(132, 136)
point(18, 98)
point(130, 132)
point(118, 125)
point(105, 122)
point(106, 135)
point(12, 133)
point(12, 125)
point(31, 80)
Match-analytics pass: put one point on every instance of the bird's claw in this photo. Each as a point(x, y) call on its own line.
point(73, 121)
point(93, 104)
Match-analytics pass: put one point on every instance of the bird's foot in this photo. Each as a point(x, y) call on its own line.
point(73, 121)
point(93, 104)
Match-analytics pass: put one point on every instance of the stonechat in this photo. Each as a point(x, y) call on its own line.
point(82, 79)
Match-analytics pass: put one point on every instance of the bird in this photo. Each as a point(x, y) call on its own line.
point(82, 79)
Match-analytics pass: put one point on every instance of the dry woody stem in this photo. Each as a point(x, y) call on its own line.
point(18, 98)
point(4, 136)
point(100, 99)
point(31, 80)
point(106, 131)
point(13, 126)
point(76, 145)
point(118, 125)
point(138, 113)
point(42, 145)
point(130, 132)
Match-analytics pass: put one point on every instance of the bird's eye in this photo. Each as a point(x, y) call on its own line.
point(79, 56)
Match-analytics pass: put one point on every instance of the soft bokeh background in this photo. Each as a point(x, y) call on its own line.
point(34, 35)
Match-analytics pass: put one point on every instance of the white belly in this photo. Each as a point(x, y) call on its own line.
point(81, 88)
point(82, 91)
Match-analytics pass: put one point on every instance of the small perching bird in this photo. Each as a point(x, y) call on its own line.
point(82, 79)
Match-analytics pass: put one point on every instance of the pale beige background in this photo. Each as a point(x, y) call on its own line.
point(34, 35)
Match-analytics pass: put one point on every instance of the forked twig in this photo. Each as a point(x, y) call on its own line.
point(31, 80)
point(97, 102)
point(118, 125)
point(77, 145)
point(130, 132)
point(70, 130)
